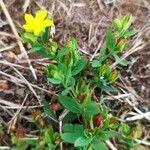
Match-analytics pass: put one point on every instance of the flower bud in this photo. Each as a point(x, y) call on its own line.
point(20, 133)
point(105, 70)
point(117, 24)
point(36, 114)
point(121, 43)
point(38, 117)
point(55, 106)
point(98, 121)
point(53, 48)
point(81, 96)
point(113, 123)
point(58, 139)
point(113, 76)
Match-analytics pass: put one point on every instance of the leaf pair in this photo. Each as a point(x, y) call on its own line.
point(71, 104)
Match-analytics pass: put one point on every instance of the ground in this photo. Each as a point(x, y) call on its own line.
point(87, 20)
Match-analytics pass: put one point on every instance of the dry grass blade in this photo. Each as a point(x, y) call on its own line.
point(118, 96)
point(61, 117)
point(146, 3)
point(138, 117)
point(64, 7)
point(12, 64)
point(143, 142)
point(27, 82)
point(96, 51)
point(8, 34)
point(111, 146)
point(26, 5)
point(4, 147)
point(8, 48)
point(16, 114)
point(5, 102)
point(21, 82)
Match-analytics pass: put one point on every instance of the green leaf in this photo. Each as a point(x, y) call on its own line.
point(99, 146)
point(78, 128)
point(48, 110)
point(110, 40)
point(63, 52)
point(127, 141)
point(45, 52)
point(70, 117)
point(41, 50)
point(96, 63)
point(45, 35)
point(79, 66)
point(36, 48)
point(71, 82)
point(57, 75)
point(108, 134)
point(118, 60)
point(54, 81)
point(130, 33)
point(70, 104)
point(107, 88)
point(117, 24)
point(102, 54)
point(65, 92)
point(31, 141)
point(53, 48)
point(91, 109)
point(64, 74)
point(73, 44)
point(82, 141)
point(72, 132)
point(29, 37)
point(126, 23)
point(63, 69)
point(125, 129)
point(70, 137)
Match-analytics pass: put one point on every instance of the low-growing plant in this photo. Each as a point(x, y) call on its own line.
point(86, 124)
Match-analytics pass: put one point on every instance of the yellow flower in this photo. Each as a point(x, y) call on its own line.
point(38, 23)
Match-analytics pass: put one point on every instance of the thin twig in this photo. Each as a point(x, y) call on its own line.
point(4, 147)
point(16, 114)
point(8, 48)
point(111, 146)
point(5, 102)
point(12, 64)
point(97, 49)
point(8, 34)
point(26, 5)
point(118, 96)
point(61, 117)
point(138, 117)
point(20, 82)
point(27, 82)
point(143, 142)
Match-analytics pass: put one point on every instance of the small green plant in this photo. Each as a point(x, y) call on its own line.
point(87, 123)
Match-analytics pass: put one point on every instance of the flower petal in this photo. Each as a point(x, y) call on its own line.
point(28, 27)
point(29, 18)
point(37, 30)
point(47, 22)
point(41, 15)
